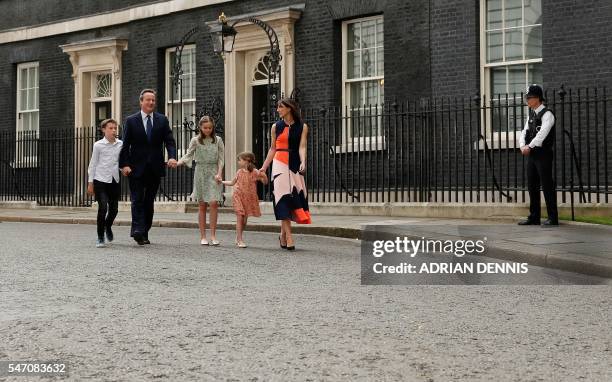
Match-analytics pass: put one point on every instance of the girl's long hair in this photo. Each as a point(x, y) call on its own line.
point(213, 134)
point(248, 157)
point(296, 112)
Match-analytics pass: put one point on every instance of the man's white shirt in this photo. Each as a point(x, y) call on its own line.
point(548, 120)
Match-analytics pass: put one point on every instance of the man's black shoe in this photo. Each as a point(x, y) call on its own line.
point(146, 241)
point(145, 238)
point(529, 222)
point(550, 222)
point(139, 239)
point(109, 235)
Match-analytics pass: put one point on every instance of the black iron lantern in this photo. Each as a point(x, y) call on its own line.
point(222, 36)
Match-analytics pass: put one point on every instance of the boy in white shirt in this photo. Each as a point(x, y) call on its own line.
point(103, 179)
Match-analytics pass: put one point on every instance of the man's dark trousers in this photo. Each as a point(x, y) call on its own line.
point(540, 172)
point(143, 190)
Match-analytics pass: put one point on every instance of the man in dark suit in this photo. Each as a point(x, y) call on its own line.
point(142, 161)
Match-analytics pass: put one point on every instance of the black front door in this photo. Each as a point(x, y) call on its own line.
point(103, 111)
point(259, 105)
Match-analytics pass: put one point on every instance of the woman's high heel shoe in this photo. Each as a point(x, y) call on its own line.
point(281, 243)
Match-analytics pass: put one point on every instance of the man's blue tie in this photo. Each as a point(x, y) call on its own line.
point(149, 127)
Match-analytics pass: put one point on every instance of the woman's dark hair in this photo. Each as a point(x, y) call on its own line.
point(294, 107)
point(213, 134)
point(249, 157)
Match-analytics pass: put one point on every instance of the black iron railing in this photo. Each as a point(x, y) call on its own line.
point(429, 150)
point(454, 150)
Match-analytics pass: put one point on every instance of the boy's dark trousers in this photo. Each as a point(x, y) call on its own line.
point(540, 172)
point(107, 195)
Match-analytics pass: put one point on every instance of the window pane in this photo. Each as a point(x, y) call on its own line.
point(36, 77)
point(368, 34)
point(498, 81)
point(31, 77)
point(186, 86)
point(516, 79)
point(103, 85)
point(380, 61)
point(35, 91)
point(514, 44)
point(533, 12)
point(23, 99)
point(494, 14)
point(355, 95)
point(380, 33)
point(533, 42)
point(186, 61)
point(513, 14)
point(29, 100)
point(515, 120)
point(352, 64)
point(534, 73)
point(25, 121)
point(34, 126)
point(24, 79)
point(353, 31)
point(367, 63)
point(494, 47)
point(371, 93)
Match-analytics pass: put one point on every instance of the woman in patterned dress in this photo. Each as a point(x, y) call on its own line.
point(207, 150)
point(288, 157)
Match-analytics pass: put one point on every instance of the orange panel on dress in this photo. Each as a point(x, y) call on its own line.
point(282, 142)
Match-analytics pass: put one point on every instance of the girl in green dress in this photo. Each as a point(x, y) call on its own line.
point(207, 150)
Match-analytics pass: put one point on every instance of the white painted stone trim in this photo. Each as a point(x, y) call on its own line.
point(101, 20)
point(93, 56)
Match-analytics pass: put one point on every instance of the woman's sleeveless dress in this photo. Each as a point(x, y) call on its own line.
point(288, 184)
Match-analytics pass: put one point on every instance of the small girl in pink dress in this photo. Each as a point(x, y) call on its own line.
point(245, 200)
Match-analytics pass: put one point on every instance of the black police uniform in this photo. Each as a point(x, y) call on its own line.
point(540, 167)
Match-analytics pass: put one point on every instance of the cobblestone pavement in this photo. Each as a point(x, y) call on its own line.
point(177, 311)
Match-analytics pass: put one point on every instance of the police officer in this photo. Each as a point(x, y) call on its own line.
point(537, 142)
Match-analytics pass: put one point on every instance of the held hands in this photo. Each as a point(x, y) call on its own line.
point(218, 179)
point(90, 188)
point(525, 150)
point(172, 163)
point(126, 171)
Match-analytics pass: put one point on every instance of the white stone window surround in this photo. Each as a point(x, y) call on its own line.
point(365, 143)
point(494, 138)
point(27, 115)
point(89, 58)
point(189, 95)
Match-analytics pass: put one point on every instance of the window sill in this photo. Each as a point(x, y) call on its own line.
point(508, 142)
point(28, 163)
point(376, 144)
